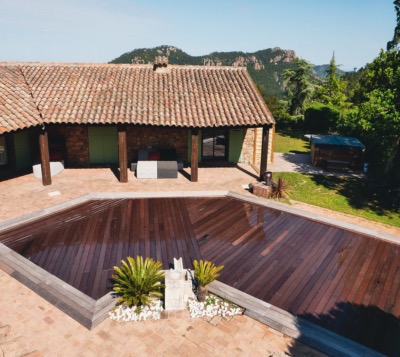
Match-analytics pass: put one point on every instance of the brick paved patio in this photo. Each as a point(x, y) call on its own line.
point(28, 323)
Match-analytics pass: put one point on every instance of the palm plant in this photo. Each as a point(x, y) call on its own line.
point(279, 189)
point(205, 272)
point(136, 282)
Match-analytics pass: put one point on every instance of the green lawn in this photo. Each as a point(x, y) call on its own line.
point(343, 194)
point(291, 142)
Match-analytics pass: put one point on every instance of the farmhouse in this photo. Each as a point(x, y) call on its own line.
point(87, 115)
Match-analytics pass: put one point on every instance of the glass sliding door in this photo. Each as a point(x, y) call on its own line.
point(214, 144)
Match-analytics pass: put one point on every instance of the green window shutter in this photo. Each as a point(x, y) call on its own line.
point(189, 154)
point(22, 149)
point(235, 145)
point(103, 145)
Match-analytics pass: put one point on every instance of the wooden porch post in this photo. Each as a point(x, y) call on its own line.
point(44, 157)
point(194, 162)
point(122, 154)
point(264, 151)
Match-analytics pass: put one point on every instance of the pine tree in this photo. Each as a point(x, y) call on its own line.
point(396, 36)
point(299, 88)
point(332, 91)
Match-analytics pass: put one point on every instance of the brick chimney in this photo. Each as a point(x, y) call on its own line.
point(161, 64)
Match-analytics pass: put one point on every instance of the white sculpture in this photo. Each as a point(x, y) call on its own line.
point(178, 287)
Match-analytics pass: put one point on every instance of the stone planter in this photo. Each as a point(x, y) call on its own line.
point(261, 190)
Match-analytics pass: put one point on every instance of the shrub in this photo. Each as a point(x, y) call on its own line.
point(321, 118)
point(136, 282)
point(279, 189)
point(205, 272)
point(286, 121)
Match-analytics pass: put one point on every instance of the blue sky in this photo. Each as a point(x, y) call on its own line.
point(101, 30)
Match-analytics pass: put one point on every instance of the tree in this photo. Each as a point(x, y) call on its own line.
point(321, 118)
point(332, 91)
point(352, 88)
point(299, 88)
point(396, 36)
point(380, 120)
point(377, 117)
point(272, 103)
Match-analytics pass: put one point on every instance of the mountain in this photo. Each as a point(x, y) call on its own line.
point(320, 70)
point(265, 66)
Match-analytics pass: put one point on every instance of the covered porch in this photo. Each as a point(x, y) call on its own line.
point(119, 147)
point(104, 113)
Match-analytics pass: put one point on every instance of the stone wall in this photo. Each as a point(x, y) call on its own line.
point(157, 138)
point(271, 146)
point(248, 145)
point(76, 143)
point(252, 142)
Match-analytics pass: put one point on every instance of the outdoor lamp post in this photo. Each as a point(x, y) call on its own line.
point(267, 176)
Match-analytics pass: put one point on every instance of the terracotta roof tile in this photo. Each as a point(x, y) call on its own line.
point(17, 108)
point(185, 96)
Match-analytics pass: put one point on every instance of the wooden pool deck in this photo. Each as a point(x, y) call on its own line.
point(342, 280)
